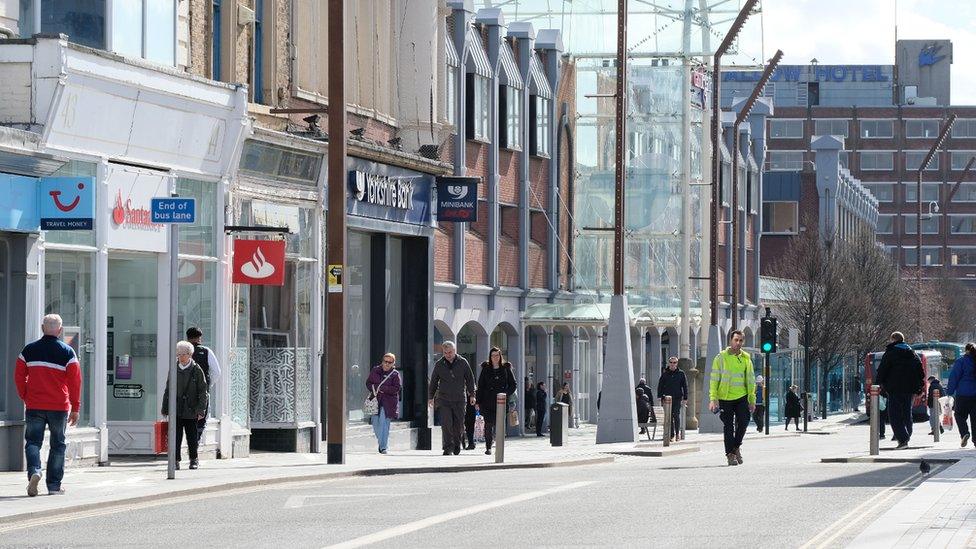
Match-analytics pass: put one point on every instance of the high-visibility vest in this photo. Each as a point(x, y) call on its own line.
point(732, 377)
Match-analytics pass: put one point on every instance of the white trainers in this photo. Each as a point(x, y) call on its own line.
point(58, 492)
point(32, 484)
point(965, 440)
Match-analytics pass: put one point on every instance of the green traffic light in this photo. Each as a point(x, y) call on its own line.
point(767, 347)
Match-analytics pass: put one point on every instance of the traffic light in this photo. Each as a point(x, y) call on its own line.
point(767, 334)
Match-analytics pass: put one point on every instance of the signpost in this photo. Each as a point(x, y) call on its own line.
point(173, 211)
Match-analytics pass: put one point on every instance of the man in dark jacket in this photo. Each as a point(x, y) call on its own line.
point(673, 384)
point(207, 361)
point(191, 401)
point(901, 376)
point(451, 387)
point(642, 385)
point(529, 403)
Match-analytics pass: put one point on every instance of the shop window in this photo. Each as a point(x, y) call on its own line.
point(477, 99)
point(68, 290)
point(274, 162)
point(510, 117)
point(780, 218)
point(199, 238)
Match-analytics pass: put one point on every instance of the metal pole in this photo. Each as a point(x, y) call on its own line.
point(875, 420)
point(500, 417)
point(684, 339)
point(945, 211)
point(621, 145)
point(174, 268)
point(717, 153)
point(768, 382)
point(806, 371)
point(667, 421)
point(935, 416)
point(336, 242)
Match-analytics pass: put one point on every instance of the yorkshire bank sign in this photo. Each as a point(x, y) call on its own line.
point(130, 192)
point(382, 190)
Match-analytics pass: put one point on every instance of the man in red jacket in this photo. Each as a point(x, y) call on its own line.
point(48, 378)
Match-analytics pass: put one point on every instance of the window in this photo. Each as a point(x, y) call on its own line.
point(930, 192)
point(82, 20)
point(785, 160)
point(930, 255)
point(256, 54)
point(964, 128)
point(274, 162)
point(876, 128)
point(215, 39)
point(542, 132)
point(877, 160)
point(510, 117)
point(963, 256)
point(752, 192)
point(913, 160)
point(929, 226)
point(725, 185)
point(844, 158)
point(145, 28)
point(966, 193)
point(883, 192)
point(833, 127)
point(886, 224)
point(780, 217)
point(921, 128)
point(450, 95)
point(478, 96)
point(959, 159)
point(786, 129)
point(962, 224)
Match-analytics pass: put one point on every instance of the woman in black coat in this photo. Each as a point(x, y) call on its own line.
point(541, 405)
point(793, 408)
point(643, 408)
point(496, 377)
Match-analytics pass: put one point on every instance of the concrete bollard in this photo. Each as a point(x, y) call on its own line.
point(875, 420)
point(935, 416)
point(667, 421)
point(501, 417)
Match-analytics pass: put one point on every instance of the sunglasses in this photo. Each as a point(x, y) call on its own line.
point(387, 362)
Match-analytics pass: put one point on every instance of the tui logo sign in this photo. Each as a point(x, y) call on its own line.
point(67, 203)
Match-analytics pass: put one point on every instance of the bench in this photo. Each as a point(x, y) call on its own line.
point(658, 413)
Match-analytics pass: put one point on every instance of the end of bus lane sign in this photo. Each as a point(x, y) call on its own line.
point(174, 210)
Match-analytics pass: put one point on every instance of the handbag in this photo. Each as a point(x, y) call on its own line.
point(479, 427)
point(371, 405)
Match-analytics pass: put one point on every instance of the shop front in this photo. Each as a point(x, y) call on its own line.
point(388, 280)
point(124, 133)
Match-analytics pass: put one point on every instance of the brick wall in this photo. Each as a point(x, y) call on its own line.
point(508, 262)
point(537, 265)
point(475, 259)
point(444, 253)
point(566, 95)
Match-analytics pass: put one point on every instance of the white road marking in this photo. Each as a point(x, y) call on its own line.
point(295, 502)
point(409, 527)
point(846, 522)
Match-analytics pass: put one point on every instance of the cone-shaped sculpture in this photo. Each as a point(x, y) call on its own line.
point(707, 421)
point(618, 403)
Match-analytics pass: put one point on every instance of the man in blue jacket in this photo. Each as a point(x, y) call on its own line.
point(962, 387)
point(902, 377)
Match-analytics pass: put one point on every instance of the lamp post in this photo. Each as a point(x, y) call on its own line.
point(918, 222)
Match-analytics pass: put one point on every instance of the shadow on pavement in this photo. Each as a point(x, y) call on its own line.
point(881, 478)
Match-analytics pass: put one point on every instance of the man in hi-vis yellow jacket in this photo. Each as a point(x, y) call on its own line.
point(732, 390)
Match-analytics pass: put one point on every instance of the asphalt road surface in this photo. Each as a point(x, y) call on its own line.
point(781, 497)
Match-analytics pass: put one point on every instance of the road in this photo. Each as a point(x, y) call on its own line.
point(781, 497)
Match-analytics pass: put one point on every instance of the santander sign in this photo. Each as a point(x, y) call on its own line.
point(125, 215)
point(259, 262)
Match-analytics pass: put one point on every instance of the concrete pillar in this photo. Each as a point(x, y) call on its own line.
point(618, 413)
point(709, 422)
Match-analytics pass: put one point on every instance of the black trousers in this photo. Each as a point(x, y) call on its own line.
point(469, 415)
point(759, 416)
point(735, 420)
point(900, 415)
point(965, 410)
point(675, 417)
point(452, 423)
point(489, 430)
point(188, 426)
point(540, 420)
point(202, 424)
point(794, 419)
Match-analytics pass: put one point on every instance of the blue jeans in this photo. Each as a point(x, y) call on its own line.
point(381, 427)
point(900, 415)
point(35, 421)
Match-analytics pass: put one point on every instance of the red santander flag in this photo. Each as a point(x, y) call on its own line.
point(259, 262)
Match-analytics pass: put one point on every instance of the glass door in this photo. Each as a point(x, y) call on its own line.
point(132, 330)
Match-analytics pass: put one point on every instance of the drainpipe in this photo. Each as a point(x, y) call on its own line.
point(494, 22)
point(550, 44)
point(462, 12)
point(524, 34)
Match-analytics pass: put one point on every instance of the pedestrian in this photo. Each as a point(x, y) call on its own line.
point(207, 361)
point(642, 385)
point(902, 377)
point(451, 385)
point(565, 396)
point(882, 414)
point(935, 416)
point(760, 414)
point(794, 408)
point(732, 391)
point(674, 384)
point(470, 416)
point(962, 387)
point(384, 384)
point(529, 403)
point(497, 376)
point(541, 404)
point(48, 380)
point(191, 402)
point(644, 409)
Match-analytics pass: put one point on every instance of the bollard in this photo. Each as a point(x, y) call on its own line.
point(667, 420)
point(682, 411)
point(875, 420)
point(935, 416)
point(501, 416)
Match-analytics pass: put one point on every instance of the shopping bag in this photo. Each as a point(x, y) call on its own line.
point(513, 419)
point(479, 427)
point(947, 420)
point(161, 437)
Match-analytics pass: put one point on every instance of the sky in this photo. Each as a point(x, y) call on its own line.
point(863, 32)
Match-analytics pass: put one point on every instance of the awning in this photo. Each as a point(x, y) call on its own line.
point(598, 314)
point(453, 60)
point(538, 75)
point(19, 154)
point(506, 61)
point(476, 58)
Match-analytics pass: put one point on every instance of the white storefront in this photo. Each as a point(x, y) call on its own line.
point(135, 130)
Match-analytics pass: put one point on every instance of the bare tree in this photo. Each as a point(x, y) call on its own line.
point(960, 308)
point(878, 296)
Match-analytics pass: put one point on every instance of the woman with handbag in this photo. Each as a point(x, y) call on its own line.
point(382, 403)
point(497, 376)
